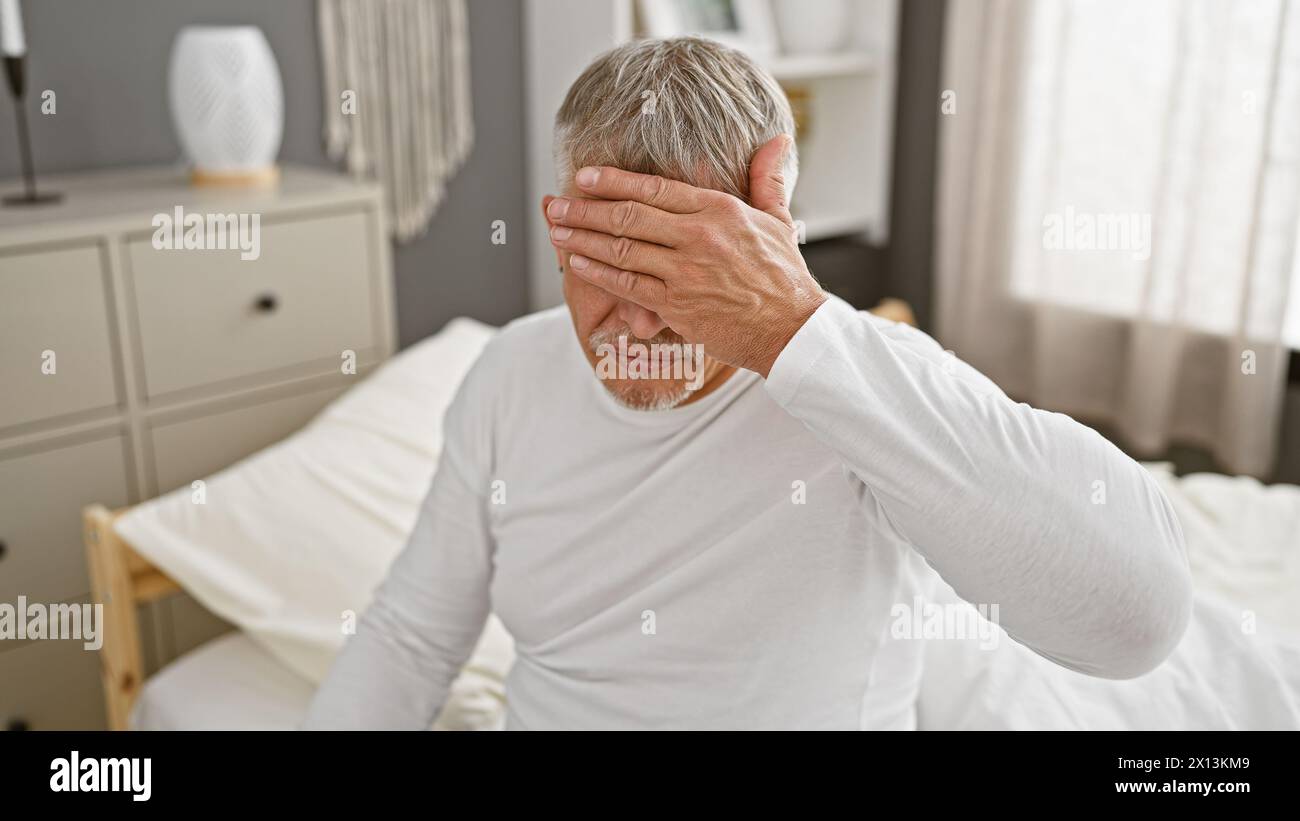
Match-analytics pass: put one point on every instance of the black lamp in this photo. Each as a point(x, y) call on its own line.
point(14, 50)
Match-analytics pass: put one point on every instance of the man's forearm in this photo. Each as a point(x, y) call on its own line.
point(426, 618)
point(1013, 506)
point(382, 679)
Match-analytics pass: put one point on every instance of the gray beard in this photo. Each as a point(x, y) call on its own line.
point(643, 399)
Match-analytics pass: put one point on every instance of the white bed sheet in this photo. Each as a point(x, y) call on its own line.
point(1243, 544)
point(229, 683)
point(1218, 678)
point(1238, 667)
point(232, 683)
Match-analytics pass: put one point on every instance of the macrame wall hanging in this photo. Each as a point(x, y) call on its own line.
point(397, 98)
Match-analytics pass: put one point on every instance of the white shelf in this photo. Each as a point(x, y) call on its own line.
point(824, 225)
point(817, 66)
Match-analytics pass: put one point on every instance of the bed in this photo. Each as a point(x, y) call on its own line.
point(358, 470)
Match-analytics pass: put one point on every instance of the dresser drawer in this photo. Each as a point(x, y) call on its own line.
point(197, 448)
point(41, 497)
point(51, 685)
point(209, 316)
point(54, 300)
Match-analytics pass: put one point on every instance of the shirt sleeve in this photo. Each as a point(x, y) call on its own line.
point(1014, 506)
point(428, 614)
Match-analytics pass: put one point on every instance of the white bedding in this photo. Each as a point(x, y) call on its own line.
point(1243, 543)
point(1238, 667)
point(1217, 679)
point(232, 683)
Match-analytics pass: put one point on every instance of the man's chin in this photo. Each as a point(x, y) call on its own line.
point(642, 396)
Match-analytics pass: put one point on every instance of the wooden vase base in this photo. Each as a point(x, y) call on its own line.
point(267, 177)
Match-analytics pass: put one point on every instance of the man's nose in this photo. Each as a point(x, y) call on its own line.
point(644, 323)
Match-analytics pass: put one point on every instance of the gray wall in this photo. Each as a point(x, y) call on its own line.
point(107, 63)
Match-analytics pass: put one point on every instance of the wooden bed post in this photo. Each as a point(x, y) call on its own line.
point(121, 580)
point(120, 660)
point(896, 309)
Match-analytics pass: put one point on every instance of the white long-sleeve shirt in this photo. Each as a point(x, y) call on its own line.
point(733, 563)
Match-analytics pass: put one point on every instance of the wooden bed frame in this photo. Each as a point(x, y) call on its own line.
point(122, 580)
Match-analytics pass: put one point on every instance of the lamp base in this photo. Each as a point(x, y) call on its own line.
point(40, 198)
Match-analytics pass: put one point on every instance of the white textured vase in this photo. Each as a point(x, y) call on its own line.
point(226, 99)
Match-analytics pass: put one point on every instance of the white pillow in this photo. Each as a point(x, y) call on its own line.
point(297, 535)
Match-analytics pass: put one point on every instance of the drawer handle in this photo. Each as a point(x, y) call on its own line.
point(4, 548)
point(267, 303)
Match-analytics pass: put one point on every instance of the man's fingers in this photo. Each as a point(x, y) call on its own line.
point(767, 178)
point(642, 289)
point(619, 219)
point(662, 193)
point(618, 252)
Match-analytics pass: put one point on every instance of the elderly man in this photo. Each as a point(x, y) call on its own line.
point(719, 542)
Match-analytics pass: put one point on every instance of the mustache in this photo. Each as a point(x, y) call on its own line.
point(611, 336)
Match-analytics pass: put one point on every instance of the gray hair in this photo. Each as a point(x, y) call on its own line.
point(685, 108)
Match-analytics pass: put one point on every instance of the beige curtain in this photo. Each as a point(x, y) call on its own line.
point(1118, 209)
point(397, 98)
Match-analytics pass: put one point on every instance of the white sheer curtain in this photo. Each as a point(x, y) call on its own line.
point(1118, 212)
